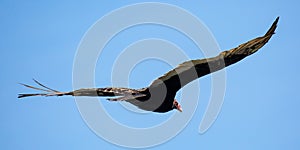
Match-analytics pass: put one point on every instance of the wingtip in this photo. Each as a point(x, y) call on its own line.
point(21, 96)
point(272, 29)
point(276, 20)
point(34, 80)
point(25, 95)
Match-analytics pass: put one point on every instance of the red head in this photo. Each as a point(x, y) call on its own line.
point(176, 105)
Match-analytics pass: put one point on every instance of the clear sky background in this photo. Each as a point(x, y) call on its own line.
point(39, 40)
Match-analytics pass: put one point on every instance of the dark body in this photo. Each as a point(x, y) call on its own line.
point(159, 96)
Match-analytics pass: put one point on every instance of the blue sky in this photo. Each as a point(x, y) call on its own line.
point(40, 39)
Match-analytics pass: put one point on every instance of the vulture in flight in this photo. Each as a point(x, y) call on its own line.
point(159, 95)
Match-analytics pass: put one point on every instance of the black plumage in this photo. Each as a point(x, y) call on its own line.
point(159, 96)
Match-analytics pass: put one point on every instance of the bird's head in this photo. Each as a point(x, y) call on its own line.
point(176, 105)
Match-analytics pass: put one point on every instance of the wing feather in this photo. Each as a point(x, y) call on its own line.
point(191, 70)
point(122, 93)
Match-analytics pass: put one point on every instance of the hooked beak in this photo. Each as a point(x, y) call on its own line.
point(176, 105)
point(179, 109)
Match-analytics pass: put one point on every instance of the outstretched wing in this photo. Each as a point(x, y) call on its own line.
point(123, 94)
point(191, 70)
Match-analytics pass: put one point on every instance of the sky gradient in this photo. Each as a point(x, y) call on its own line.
point(40, 40)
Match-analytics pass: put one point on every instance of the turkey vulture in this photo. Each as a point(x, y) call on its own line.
point(159, 96)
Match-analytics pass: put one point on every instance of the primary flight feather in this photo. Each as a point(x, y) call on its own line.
point(159, 96)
